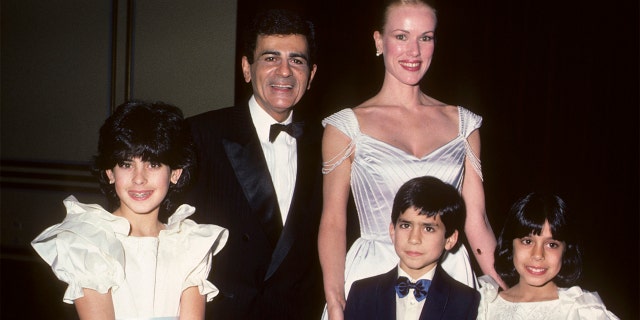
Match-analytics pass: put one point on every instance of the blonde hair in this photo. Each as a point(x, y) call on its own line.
point(382, 20)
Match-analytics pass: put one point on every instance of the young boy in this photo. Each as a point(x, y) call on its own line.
point(427, 217)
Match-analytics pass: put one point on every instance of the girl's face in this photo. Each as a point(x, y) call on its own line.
point(408, 42)
point(538, 258)
point(141, 185)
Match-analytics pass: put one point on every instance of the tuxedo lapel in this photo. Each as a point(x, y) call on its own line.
point(247, 159)
point(437, 297)
point(295, 216)
point(386, 296)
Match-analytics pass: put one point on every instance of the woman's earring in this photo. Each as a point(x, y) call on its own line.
point(378, 53)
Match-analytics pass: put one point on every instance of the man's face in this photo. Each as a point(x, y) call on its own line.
point(280, 73)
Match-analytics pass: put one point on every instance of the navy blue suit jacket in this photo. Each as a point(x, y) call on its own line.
point(374, 298)
point(266, 270)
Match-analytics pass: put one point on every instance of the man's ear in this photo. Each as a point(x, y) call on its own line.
point(451, 240)
point(312, 73)
point(246, 69)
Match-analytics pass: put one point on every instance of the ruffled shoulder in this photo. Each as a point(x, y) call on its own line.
point(469, 121)
point(584, 304)
point(488, 286)
point(83, 249)
point(488, 293)
point(198, 243)
point(344, 120)
point(204, 235)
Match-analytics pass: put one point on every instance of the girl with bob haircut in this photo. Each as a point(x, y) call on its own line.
point(125, 263)
point(538, 256)
point(153, 132)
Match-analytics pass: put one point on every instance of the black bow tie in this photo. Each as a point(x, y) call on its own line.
point(294, 129)
point(420, 288)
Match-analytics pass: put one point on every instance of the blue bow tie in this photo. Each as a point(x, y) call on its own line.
point(420, 288)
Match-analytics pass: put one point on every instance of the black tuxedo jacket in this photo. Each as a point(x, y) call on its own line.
point(265, 271)
point(375, 298)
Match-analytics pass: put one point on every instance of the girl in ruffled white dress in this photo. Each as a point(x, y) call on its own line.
point(539, 258)
point(127, 264)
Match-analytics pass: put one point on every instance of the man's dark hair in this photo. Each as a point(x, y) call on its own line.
point(279, 22)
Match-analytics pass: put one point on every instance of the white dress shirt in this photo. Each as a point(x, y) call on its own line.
point(281, 155)
point(408, 308)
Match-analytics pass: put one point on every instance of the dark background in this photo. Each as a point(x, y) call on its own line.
point(557, 85)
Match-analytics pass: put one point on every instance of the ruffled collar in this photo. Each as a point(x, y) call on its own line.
point(175, 220)
point(120, 225)
point(76, 210)
point(489, 289)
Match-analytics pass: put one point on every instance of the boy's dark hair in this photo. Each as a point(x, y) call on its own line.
point(526, 217)
point(431, 196)
point(279, 22)
point(152, 131)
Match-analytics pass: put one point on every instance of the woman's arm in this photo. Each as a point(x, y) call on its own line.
point(332, 236)
point(95, 305)
point(192, 304)
point(477, 228)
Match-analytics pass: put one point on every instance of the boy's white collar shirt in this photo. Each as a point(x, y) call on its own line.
point(408, 308)
point(281, 155)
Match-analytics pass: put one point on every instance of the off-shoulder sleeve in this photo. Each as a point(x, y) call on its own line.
point(83, 250)
point(470, 122)
point(345, 121)
point(203, 241)
point(583, 304)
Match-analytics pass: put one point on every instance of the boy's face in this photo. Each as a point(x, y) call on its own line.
point(419, 241)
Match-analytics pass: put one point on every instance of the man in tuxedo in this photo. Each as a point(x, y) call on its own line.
point(260, 177)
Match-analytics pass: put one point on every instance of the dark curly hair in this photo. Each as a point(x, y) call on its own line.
point(279, 22)
point(152, 131)
point(431, 196)
point(527, 216)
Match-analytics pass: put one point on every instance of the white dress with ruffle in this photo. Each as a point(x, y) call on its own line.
point(377, 172)
point(91, 249)
point(572, 304)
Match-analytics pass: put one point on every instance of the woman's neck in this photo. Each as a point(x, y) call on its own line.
point(397, 93)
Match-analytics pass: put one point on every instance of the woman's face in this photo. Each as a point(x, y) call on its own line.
point(408, 42)
point(538, 258)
